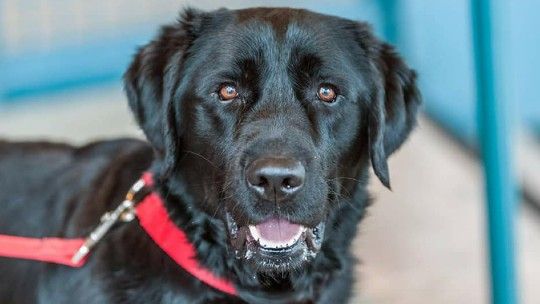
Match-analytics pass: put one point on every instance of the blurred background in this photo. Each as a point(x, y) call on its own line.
point(425, 242)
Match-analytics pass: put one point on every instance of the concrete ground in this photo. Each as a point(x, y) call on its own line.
point(421, 243)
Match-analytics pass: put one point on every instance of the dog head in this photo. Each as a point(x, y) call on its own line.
point(268, 118)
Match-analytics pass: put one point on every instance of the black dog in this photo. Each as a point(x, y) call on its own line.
point(262, 125)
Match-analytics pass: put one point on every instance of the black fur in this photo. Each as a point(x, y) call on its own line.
point(199, 147)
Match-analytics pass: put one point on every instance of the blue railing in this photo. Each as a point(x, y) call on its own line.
point(493, 125)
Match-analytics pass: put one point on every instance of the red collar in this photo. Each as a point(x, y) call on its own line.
point(153, 218)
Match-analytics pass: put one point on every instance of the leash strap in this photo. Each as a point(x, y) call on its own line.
point(52, 250)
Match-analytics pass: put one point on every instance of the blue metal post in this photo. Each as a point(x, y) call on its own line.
point(389, 12)
point(496, 155)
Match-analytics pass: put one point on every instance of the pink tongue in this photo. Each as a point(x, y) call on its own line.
point(278, 230)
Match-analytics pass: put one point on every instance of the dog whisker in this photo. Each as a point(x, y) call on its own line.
point(203, 158)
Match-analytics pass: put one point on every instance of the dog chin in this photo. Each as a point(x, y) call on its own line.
point(275, 245)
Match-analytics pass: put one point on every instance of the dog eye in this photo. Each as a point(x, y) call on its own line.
point(227, 92)
point(327, 93)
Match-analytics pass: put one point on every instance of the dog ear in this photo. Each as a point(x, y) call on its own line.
point(393, 112)
point(153, 75)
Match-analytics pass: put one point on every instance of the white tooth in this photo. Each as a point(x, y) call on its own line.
point(271, 244)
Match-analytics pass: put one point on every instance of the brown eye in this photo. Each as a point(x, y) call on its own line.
point(228, 92)
point(327, 93)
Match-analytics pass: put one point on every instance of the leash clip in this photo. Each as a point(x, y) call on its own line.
point(125, 212)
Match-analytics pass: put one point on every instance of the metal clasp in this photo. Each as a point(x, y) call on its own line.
point(125, 212)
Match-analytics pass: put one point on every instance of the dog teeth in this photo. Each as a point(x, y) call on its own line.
point(270, 244)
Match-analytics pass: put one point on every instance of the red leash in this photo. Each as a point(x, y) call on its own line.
point(153, 218)
point(52, 250)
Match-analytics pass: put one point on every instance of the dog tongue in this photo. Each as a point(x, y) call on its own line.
point(278, 230)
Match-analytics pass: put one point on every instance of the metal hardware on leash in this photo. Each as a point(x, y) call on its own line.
point(125, 212)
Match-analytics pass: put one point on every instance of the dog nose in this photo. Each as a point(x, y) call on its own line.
point(275, 178)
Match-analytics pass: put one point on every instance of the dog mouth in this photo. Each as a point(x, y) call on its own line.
point(276, 234)
point(275, 243)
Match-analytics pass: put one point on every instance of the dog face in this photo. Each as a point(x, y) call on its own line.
point(268, 118)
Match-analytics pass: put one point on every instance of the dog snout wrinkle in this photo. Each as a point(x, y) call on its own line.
point(275, 178)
